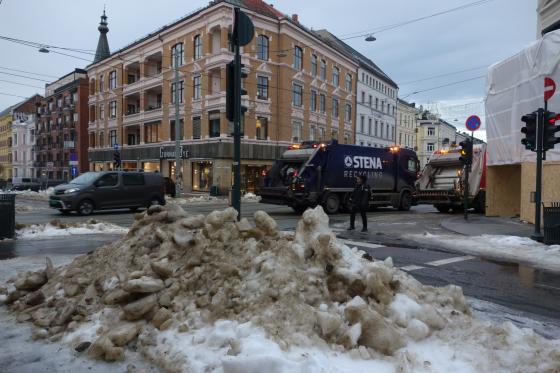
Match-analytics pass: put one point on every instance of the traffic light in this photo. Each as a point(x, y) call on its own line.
point(530, 131)
point(117, 159)
point(550, 129)
point(230, 90)
point(466, 151)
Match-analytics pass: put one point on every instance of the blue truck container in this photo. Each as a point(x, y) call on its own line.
point(312, 174)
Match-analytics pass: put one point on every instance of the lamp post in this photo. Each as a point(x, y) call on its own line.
point(177, 130)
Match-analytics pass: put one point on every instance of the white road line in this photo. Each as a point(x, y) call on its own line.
point(411, 268)
point(437, 263)
point(363, 244)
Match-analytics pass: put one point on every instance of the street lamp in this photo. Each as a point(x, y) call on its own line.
point(44, 50)
point(371, 38)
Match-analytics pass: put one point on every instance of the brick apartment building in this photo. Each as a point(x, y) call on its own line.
point(299, 88)
point(61, 136)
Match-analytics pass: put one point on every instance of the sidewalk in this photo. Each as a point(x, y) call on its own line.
point(478, 225)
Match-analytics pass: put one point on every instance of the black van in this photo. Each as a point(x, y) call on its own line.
point(109, 190)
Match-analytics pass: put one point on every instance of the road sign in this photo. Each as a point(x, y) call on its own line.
point(473, 123)
point(73, 157)
point(73, 163)
point(73, 171)
point(116, 146)
point(50, 166)
point(549, 88)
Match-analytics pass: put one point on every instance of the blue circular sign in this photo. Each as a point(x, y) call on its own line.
point(473, 123)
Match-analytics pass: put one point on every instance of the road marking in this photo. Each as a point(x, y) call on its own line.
point(411, 268)
point(437, 263)
point(363, 244)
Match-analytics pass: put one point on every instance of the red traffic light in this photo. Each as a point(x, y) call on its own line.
point(554, 119)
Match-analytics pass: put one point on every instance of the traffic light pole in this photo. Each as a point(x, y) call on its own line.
point(466, 186)
point(177, 130)
point(537, 235)
point(236, 190)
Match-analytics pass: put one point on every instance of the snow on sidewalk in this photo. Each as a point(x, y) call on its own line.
point(56, 228)
point(506, 248)
point(42, 195)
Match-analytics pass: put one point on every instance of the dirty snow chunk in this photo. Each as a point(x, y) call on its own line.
point(250, 197)
point(57, 229)
point(403, 309)
point(509, 248)
point(144, 284)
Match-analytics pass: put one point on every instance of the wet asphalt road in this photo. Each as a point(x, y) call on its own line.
point(524, 291)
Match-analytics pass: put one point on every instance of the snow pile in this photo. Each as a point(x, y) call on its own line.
point(207, 293)
point(204, 198)
point(27, 208)
point(57, 228)
point(42, 195)
point(250, 197)
point(509, 248)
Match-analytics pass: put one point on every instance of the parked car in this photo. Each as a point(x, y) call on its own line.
point(25, 183)
point(109, 190)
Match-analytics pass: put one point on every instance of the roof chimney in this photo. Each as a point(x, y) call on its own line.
point(295, 18)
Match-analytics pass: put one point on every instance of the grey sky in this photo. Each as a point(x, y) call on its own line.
point(448, 43)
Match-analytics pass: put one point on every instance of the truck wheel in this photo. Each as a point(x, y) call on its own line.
point(332, 203)
point(299, 209)
point(442, 208)
point(85, 207)
point(406, 202)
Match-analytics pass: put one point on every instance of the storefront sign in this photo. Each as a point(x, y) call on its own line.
point(169, 153)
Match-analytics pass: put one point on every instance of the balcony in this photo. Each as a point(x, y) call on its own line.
point(218, 60)
point(215, 101)
point(69, 144)
point(152, 81)
point(152, 113)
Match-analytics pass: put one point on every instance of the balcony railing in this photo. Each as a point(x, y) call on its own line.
point(69, 144)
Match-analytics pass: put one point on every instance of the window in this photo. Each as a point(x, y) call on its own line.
point(172, 129)
point(412, 165)
point(335, 74)
point(431, 131)
point(334, 133)
point(151, 133)
point(348, 83)
point(297, 99)
point(59, 102)
point(197, 88)
point(214, 124)
point(112, 80)
point(321, 133)
point(335, 108)
point(313, 101)
point(312, 132)
point(197, 47)
point(181, 87)
point(101, 138)
point(177, 55)
point(369, 126)
point(370, 100)
point(376, 103)
point(313, 65)
point(430, 147)
point(108, 180)
point(346, 138)
point(388, 134)
point(348, 112)
point(133, 179)
point(322, 103)
point(363, 97)
point(376, 128)
point(196, 127)
point(102, 112)
point(262, 48)
point(362, 119)
point(382, 106)
point(296, 131)
point(113, 109)
point(323, 71)
point(262, 128)
point(75, 117)
point(298, 58)
point(262, 87)
point(101, 88)
point(112, 137)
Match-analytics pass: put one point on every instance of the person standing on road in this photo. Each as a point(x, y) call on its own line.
point(360, 202)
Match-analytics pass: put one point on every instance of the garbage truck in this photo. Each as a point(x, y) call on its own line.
point(442, 180)
point(312, 173)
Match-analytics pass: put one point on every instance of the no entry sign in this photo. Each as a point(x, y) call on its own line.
point(549, 88)
point(473, 123)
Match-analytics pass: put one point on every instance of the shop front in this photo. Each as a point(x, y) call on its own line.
point(202, 175)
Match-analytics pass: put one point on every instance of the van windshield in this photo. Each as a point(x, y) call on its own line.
point(86, 178)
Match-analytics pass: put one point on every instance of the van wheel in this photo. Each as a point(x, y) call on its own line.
point(442, 208)
point(64, 212)
point(332, 203)
point(85, 207)
point(406, 202)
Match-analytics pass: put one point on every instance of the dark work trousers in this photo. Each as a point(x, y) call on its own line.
point(353, 217)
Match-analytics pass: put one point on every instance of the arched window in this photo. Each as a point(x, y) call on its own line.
point(298, 58)
point(349, 83)
point(262, 48)
point(197, 47)
point(335, 76)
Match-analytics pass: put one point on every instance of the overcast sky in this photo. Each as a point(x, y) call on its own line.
point(465, 39)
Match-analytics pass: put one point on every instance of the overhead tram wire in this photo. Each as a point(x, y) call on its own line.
point(28, 72)
point(443, 75)
point(442, 86)
point(10, 94)
point(23, 84)
point(26, 77)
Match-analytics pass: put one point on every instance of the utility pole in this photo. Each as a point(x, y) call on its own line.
point(537, 235)
point(178, 164)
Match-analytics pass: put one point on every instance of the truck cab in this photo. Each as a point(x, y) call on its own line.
point(312, 173)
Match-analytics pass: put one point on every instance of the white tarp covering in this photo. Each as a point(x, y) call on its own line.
point(515, 87)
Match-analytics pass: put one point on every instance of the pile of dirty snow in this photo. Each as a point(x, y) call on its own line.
point(57, 228)
point(28, 208)
point(250, 197)
point(506, 248)
point(42, 195)
point(203, 198)
point(208, 293)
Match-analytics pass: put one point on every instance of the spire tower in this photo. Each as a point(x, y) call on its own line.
point(102, 51)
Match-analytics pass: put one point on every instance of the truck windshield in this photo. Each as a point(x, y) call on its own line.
point(86, 178)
